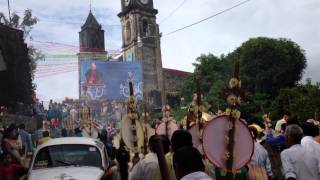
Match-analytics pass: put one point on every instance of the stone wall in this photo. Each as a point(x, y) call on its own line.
point(16, 81)
point(173, 81)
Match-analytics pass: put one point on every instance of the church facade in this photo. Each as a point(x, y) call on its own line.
point(140, 42)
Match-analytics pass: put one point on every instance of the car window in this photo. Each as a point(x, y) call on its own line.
point(68, 155)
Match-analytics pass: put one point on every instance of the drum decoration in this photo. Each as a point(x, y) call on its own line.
point(196, 113)
point(219, 134)
point(266, 118)
point(191, 116)
point(131, 129)
point(88, 127)
point(168, 125)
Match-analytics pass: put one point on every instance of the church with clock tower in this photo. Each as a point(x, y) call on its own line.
point(141, 42)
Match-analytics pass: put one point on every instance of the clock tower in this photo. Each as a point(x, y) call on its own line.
point(141, 42)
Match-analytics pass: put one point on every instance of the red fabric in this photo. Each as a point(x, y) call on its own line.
point(9, 172)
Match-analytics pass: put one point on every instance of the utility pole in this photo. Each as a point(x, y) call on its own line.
point(9, 12)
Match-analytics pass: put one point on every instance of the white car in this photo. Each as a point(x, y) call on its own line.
point(71, 158)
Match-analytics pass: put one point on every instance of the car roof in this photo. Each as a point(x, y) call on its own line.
point(71, 140)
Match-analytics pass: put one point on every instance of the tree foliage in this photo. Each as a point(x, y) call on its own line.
point(267, 65)
point(302, 101)
point(213, 73)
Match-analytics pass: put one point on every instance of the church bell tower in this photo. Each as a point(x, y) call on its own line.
point(141, 42)
point(91, 43)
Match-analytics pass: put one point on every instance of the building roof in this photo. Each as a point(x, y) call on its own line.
point(176, 72)
point(91, 21)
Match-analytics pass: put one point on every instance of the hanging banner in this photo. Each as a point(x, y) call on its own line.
point(105, 80)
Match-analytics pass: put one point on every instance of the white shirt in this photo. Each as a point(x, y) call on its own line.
point(311, 146)
point(199, 175)
point(278, 125)
point(299, 164)
point(260, 157)
point(146, 168)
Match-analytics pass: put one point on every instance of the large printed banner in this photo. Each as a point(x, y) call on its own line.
point(105, 80)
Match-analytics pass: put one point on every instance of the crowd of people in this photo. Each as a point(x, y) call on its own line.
point(289, 151)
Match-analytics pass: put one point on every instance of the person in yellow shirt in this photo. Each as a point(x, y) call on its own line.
point(45, 138)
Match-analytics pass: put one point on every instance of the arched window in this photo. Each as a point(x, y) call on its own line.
point(145, 28)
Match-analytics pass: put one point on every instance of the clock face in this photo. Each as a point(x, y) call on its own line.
point(144, 1)
point(126, 2)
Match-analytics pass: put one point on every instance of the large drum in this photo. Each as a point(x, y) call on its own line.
point(196, 134)
point(215, 135)
point(127, 136)
point(167, 128)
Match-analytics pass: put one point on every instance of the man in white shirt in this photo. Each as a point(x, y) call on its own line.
point(309, 142)
point(297, 163)
point(188, 164)
point(146, 168)
point(282, 121)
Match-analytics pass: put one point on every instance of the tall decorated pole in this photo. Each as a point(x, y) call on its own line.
point(200, 108)
point(133, 116)
point(168, 124)
point(145, 115)
point(131, 128)
point(234, 95)
point(227, 141)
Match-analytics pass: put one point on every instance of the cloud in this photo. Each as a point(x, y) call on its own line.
point(61, 20)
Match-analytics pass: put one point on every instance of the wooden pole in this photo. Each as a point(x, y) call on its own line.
point(161, 159)
point(231, 133)
point(199, 104)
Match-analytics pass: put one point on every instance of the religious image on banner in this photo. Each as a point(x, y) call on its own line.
point(106, 80)
point(137, 86)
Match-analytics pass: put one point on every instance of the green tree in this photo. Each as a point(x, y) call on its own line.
point(302, 101)
point(268, 65)
point(214, 73)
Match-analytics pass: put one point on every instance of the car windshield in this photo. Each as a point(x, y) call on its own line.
point(68, 155)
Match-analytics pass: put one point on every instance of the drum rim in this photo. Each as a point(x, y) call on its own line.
point(205, 151)
point(138, 123)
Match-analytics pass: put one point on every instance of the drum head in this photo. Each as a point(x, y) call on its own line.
point(172, 127)
point(214, 144)
point(196, 136)
point(126, 134)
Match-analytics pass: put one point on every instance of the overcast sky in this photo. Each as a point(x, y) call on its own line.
point(60, 21)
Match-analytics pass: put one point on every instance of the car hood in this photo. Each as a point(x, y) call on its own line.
point(66, 173)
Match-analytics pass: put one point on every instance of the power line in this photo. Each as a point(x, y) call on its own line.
point(205, 19)
point(172, 12)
